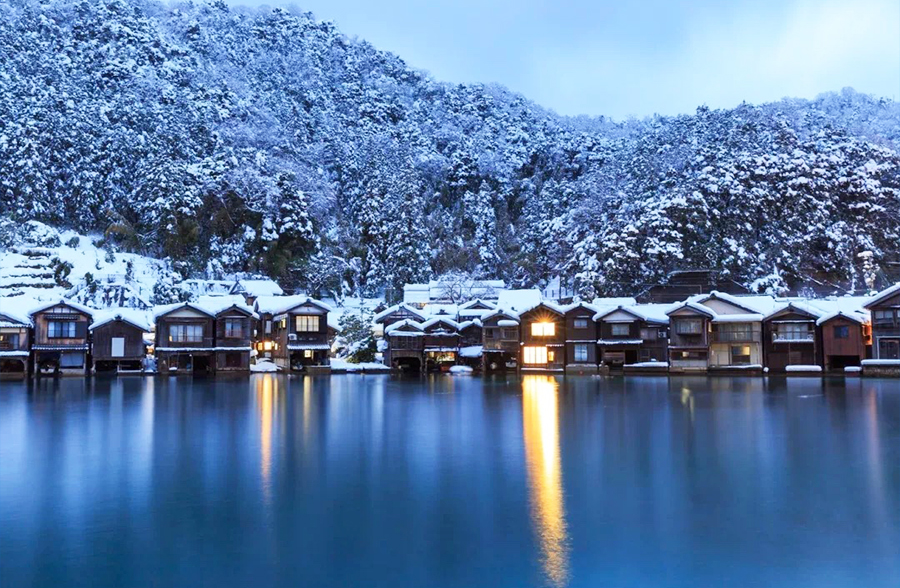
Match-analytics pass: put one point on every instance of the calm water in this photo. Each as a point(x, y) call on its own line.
point(450, 482)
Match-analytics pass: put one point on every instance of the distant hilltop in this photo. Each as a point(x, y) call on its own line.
point(228, 140)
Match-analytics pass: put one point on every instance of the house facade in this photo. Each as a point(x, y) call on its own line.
point(629, 337)
point(689, 337)
point(15, 343)
point(441, 343)
point(500, 341)
point(405, 346)
point(234, 338)
point(300, 333)
point(185, 339)
point(846, 340)
point(118, 343)
point(542, 338)
point(735, 341)
point(885, 310)
point(581, 338)
point(791, 337)
point(61, 342)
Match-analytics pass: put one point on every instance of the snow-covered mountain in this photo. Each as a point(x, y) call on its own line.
point(233, 140)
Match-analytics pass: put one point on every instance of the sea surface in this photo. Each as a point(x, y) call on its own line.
point(450, 481)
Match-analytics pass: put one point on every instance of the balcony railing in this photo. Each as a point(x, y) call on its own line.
point(735, 336)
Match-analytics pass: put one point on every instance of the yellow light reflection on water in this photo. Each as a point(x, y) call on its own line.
point(540, 416)
point(266, 397)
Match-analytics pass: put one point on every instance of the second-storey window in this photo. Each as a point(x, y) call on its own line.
point(61, 329)
point(234, 328)
point(689, 327)
point(841, 331)
point(185, 333)
point(306, 323)
point(580, 323)
point(543, 329)
point(620, 329)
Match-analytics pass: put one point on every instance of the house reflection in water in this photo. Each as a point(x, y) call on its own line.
point(540, 414)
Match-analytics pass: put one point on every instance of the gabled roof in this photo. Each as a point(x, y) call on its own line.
point(693, 306)
point(280, 304)
point(887, 293)
point(733, 300)
point(471, 304)
point(466, 324)
point(627, 309)
point(67, 302)
point(442, 320)
point(164, 309)
point(135, 318)
point(801, 307)
point(551, 306)
point(257, 288)
point(576, 305)
point(378, 318)
point(17, 309)
point(501, 312)
point(857, 317)
point(403, 325)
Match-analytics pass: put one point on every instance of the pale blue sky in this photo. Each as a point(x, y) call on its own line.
point(636, 58)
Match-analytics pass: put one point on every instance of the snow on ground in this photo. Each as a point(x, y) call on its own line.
point(368, 366)
point(461, 370)
point(803, 368)
point(263, 366)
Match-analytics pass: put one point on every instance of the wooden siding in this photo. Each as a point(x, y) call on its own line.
point(104, 334)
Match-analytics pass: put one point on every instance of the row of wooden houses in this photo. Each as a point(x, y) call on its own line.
point(715, 332)
point(516, 331)
point(217, 334)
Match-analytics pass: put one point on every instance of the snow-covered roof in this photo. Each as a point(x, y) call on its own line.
point(886, 293)
point(552, 306)
point(519, 300)
point(279, 304)
point(501, 312)
point(794, 305)
point(392, 309)
point(655, 313)
point(400, 325)
point(585, 305)
point(857, 317)
point(478, 302)
point(257, 288)
point(442, 320)
point(752, 304)
point(88, 311)
point(17, 308)
point(747, 317)
point(134, 317)
point(693, 306)
point(442, 290)
point(164, 309)
point(613, 302)
point(466, 324)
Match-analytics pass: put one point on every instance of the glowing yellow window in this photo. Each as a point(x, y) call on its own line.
point(551, 356)
point(543, 329)
point(307, 353)
point(534, 355)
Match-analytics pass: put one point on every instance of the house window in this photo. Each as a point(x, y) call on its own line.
point(185, 333)
point(534, 355)
point(883, 317)
point(551, 356)
point(543, 329)
point(305, 323)
point(621, 329)
point(842, 331)
point(794, 332)
point(740, 354)
point(581, 323)
point(689, 327)
point(307, 353)
point(889, 349)
point(61, 329)
point(581, 352)
point(649, 334)
point(234, 328)
point(490, 333)
point(9, 341)
point(510, 334)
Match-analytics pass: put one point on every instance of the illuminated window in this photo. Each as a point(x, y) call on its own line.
point(551, 356)
point(534, 355)
point(307, 353)
point(306, 323)
point(740, 354)
point(543, 329)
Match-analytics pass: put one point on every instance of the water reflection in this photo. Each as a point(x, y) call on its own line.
point(266, 397)
point(541, 432)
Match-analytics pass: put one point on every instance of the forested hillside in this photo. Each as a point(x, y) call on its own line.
point(233, 140)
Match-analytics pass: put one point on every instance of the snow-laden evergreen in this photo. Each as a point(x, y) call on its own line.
point(230, 140)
